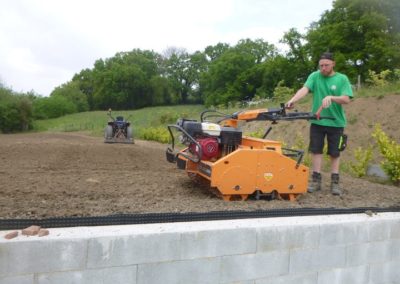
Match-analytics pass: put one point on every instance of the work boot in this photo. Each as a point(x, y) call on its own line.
point(315, 183)
point(335, 189)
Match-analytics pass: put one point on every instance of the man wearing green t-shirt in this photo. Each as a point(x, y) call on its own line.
point(331, 90)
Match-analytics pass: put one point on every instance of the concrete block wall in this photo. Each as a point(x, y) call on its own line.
point(319, 249)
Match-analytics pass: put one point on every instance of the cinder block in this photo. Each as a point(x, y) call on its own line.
point(217, 243)
point(366, 253)
point(287, 237)
point(130, 250)
point(351, 275)
point(311, 278)
point(254, 266)
point(382, 273)
point(204, 270)
point(42, 256)
point(342, 234)
point(114, 275)
point(120, 275)
point(381, 230)
point(311, 260)
point(395, 250)
point(395, 230)
point(23, 279)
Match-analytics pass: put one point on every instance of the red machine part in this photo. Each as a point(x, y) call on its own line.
point(209, 148)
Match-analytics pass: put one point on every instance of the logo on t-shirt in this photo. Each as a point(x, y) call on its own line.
point(333, 87)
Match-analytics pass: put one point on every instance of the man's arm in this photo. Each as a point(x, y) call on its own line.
point(327, 101)
point(301, 93)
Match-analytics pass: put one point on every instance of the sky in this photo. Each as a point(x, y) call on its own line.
point(43, 43)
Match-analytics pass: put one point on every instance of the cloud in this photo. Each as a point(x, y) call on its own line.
point(44, 42)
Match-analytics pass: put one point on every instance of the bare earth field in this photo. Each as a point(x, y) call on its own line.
point(46, 175)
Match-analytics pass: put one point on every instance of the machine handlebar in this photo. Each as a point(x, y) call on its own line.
point(272, 114)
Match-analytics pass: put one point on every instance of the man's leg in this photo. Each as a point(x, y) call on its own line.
point(317, 136)
point(335, 162)
point(333, 150)
point(317, 162)
point(316, 178)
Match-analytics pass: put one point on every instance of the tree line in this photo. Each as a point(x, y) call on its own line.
point(364, 35)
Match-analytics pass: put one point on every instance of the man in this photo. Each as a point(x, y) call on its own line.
point(330, 90)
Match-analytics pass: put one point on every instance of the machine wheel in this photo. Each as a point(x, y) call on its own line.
point(129, 133)
point(108, 132)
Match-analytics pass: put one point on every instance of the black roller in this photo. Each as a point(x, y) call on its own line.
point(149, 218)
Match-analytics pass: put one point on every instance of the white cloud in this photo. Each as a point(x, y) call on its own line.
point(44, 43)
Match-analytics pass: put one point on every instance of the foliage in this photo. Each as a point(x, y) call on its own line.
point(282, 93)
point(362, 159)
point(72, 93)
point(390, 151)
point(379, 79)
point(51, 107)
point(366, 30)
point(237, 73)
point(15, 111)
point(396, 74)
point(159, 134)
point(183, 71)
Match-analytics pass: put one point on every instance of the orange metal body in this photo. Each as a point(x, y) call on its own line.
point(257, 165)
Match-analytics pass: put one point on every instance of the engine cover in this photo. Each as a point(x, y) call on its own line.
point(209, 148)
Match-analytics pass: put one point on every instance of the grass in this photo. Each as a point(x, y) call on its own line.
point(379, 92)
point(94, 122)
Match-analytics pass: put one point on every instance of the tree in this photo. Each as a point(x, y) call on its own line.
point(15, 111)
point(183, 71)
point(85, 82)
point(260, 50)
point(221, 84)
point(52, 107)
point(72, 92)
point(213, 52)
point(237, 74)
point(366, 30)
point(123, 81)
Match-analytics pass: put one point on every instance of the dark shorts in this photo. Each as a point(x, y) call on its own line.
point(317, 139)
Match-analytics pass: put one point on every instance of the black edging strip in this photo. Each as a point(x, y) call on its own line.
point(151, 218)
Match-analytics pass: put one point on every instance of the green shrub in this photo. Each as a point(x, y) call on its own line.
point(15, 111)
point(396, 74)
point(362, 159)
point(390, 151)
point(52, 107)
point(158, 134)
point(380, 79)
point(168, 118)
point(282, 93)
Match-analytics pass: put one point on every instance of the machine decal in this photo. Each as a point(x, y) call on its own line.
point(268, 176)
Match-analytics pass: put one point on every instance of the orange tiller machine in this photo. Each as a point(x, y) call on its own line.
point(237, 167)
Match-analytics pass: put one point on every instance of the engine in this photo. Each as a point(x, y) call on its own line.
point(209, 148)
point(212, 140)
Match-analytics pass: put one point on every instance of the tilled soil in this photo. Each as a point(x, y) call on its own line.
point(46, 175)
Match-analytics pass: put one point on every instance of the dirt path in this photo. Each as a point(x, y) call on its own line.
point(69, 174)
